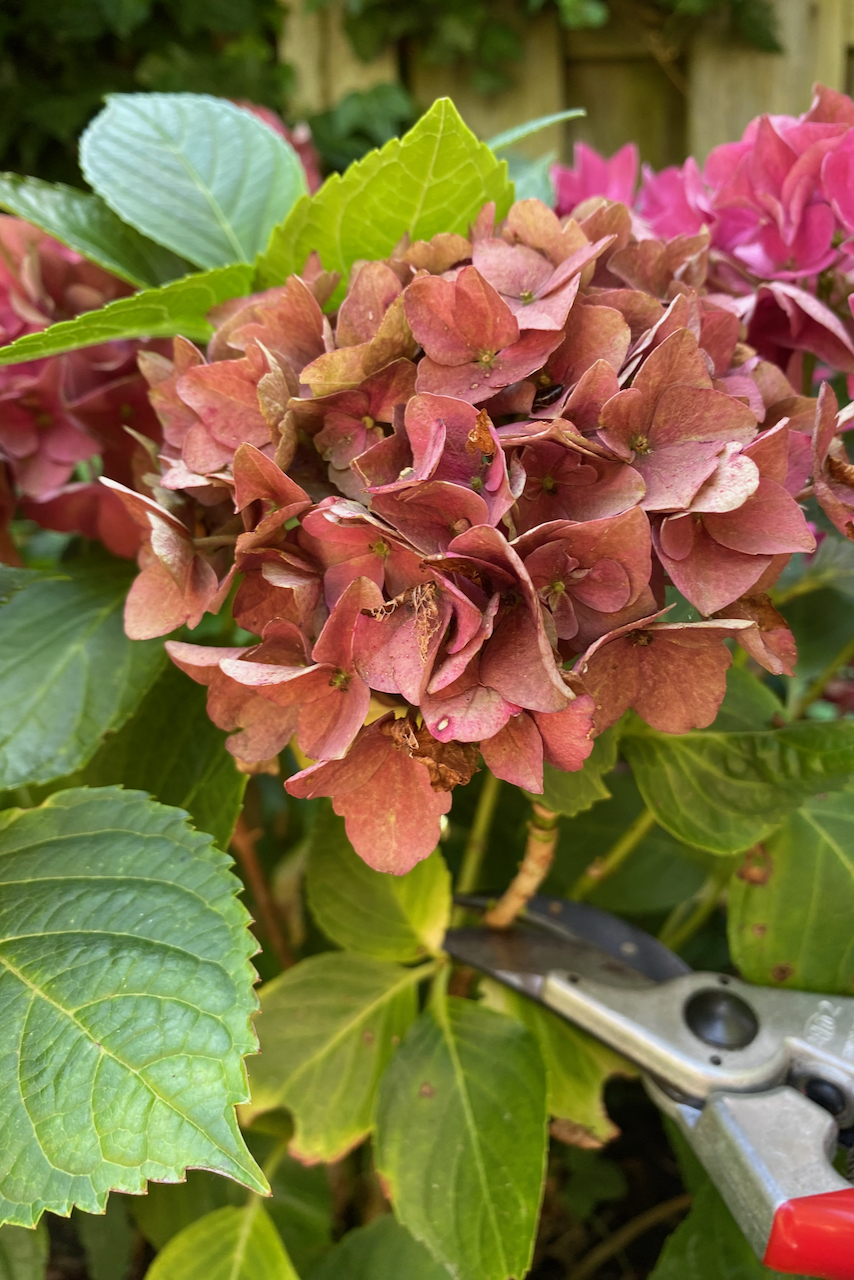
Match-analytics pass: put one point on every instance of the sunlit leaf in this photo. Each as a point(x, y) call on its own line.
point(228, 1244)
point(577, 1066)
point(460, 1138)
point(436, 178)
point(328, 1028)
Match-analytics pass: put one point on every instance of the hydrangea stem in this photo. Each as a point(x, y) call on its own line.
point(687, 917)
point(630, 1231)
point(475, 849)
point(814, 691)
point(601, 868)
point(533, 869)
point(243, 844)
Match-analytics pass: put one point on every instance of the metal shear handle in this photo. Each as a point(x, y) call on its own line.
point(716, 1052)
point(769, 1155)
point(760, 1081)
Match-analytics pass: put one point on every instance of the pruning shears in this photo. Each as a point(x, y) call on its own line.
point(760, 1082)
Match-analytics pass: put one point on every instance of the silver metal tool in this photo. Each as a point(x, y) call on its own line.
point(761, 1082)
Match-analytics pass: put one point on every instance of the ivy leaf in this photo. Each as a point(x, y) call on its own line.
point(571, 793)
point(181, 307)
point(126, 987)
point(436, 178)
point(577, 1066)
point(792, 901)
point(390, 917)
point(228, 1244)
point(68, 673)
point(195, 173)
point(708, 1245)
point(85, 223)
point(461, 1138)
point(23, 1253)
point(328, 1028)
point(725, 791)
point(383, 1250)
point(659, 873)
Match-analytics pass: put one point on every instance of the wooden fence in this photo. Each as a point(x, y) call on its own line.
point(672, 102)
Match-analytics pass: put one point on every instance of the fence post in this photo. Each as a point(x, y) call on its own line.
point(728, 84)
point(537, 89)
point(325, 66)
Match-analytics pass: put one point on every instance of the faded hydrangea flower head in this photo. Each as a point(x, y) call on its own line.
point(451, 509)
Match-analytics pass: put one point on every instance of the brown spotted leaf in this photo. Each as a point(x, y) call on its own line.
point(792, 901)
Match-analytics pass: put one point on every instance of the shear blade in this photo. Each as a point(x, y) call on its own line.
point(556, 934)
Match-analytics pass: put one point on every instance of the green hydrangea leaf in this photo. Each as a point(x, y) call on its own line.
point(23, 1253)
point(172, 749)
point(180, 307)
point(792, 901)
point(85, 223)
point(300, 1206)
point(383, 1250)
point(577, 1066)
point(390, 917)
point(572, 793)
point(228, 1244)
point(197, 174)
point(725, 791)
point(461, 1138)
point(831, 565)
point(747, 704)
point(68, 673)
point(328, 1028)
point(708, 1245)
point(108, 1239)
point(126, 988)
point(659, 872)
point(436, 178)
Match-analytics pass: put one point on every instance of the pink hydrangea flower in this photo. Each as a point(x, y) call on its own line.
point(593, 175)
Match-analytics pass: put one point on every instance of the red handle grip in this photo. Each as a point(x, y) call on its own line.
point(814, 1236)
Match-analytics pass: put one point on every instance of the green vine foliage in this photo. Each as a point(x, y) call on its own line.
point(485, 34)
point(59, 57)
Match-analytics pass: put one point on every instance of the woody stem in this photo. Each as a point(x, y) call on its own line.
point(539, 852)
point(243, 842)
point(605, 866)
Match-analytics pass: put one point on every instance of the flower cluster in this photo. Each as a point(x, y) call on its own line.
point(450, 509)
point(778, 208)
point(58, 413)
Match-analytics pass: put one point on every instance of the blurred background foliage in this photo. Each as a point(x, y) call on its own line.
point(59, 57)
